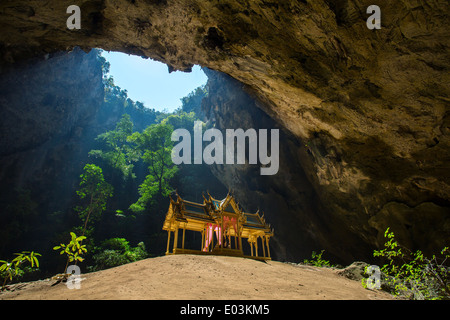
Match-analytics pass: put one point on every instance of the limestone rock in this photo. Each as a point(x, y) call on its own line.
point(355, 271)
point(368, 110)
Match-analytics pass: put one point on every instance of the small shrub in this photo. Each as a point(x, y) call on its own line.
point(119, 244)
point(116, 252)
point(317, 260)
point(10, 270)
point(74, 249)
point(412, 274)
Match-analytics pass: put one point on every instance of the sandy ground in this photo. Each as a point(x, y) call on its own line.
point(195, 277)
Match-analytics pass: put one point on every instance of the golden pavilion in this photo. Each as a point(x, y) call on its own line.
point(222, 224)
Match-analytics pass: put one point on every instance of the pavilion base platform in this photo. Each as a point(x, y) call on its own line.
point(218, 252)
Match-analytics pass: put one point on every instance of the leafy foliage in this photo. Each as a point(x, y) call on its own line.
point(8, 270)
point(116, 252)
point(155, 146)
point(411, 273)
point(74, 249)
point(96, 191)
point(317, 260)
point(118, 153)
point(192, 102)
point(183, 120)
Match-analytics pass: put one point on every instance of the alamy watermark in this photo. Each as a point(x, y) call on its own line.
point(74, 20)
point(74, 280)
point(374, 280)
point(374, 21)
point(234, 144)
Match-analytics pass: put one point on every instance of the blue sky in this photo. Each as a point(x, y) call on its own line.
point(149, 81)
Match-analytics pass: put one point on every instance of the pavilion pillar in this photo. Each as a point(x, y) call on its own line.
point(251, 249)
point(184, 233)
point(240, 242)
point(263, 247)
point(168, 240)
point(221, 232)
point(212, 240)
point(267, 244)
point(203, 239)
point(175, 240)
point(256, 246)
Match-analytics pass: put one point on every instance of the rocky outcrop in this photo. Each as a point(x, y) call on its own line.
point(355, 271)
point(367, 110)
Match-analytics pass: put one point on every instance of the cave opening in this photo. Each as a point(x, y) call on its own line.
point(151, 82)
point(75, 119)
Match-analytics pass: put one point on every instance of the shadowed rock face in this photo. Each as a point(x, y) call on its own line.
point(287, 199)
point(366, 112)
point(46, 123)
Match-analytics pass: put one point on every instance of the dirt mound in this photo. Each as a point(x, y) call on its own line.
point(195, 277)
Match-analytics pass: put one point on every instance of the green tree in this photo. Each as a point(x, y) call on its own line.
point(118, 153)
point(181, 120)
point(94, 192)
point(155, 146)
point(193, 101)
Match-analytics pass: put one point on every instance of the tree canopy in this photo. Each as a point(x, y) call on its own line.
point(155, 146)
point(118, 153)
point(95, 191)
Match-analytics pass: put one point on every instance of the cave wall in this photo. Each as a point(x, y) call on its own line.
point(369, 109)
point(46, 110)
point(287, 199)
point(51, 111)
